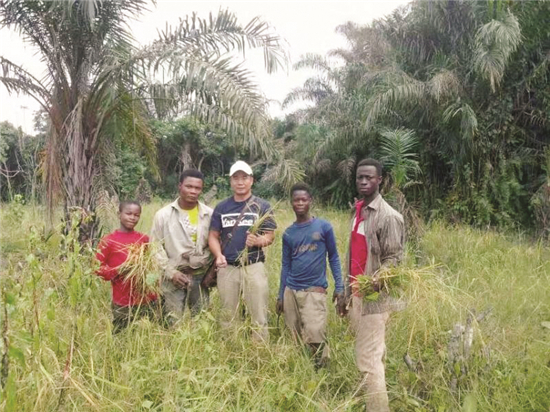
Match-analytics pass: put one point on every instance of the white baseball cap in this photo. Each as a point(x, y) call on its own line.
point(240, 166)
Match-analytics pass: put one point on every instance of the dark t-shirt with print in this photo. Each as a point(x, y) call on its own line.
point(223, 221)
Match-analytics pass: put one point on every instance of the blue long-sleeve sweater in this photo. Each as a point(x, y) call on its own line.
point(305, 249)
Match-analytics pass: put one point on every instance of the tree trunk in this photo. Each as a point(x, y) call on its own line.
point(79, 172)
point(185, 157)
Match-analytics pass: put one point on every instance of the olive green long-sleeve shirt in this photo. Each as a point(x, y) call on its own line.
point(175, 244)
point(384, 231)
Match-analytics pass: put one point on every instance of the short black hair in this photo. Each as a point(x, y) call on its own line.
point(300, 186)
point(371, 162)
point(125, 203)
point(191, 173)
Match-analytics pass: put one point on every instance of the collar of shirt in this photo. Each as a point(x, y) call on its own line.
point(375, 204)
point(202, 210)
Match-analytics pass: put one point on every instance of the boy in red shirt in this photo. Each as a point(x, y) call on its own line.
point(127, 303)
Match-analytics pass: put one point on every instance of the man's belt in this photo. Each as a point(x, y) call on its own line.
point(250, 262)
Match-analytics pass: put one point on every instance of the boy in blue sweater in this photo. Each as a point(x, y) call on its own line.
point(302, 294)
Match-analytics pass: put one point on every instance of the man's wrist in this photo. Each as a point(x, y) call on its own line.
point(169, 273)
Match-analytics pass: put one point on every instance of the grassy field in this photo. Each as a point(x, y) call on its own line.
point(61, 355)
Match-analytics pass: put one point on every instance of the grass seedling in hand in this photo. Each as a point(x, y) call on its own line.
point(141, 269)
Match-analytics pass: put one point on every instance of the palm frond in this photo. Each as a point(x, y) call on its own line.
point(313, 61)
point(285, 172)
point(408, 91)
point(494, 44)
point(346, 167)
point(399, 154)
point(315, 89)
point(443, 85)
point(217, 91)
point(18, 80)
point(223, 33)
point(468, 119)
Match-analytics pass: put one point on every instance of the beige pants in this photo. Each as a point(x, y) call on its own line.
point(250, 282)
point(306, 314)
point(370, 348)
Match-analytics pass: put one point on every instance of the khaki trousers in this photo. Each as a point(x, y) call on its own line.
point(370, 349)
point(306, 314)
point(250, 282)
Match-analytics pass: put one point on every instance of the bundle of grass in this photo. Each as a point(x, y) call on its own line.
point(141, 269)
point(255, 228)
point(397, 281)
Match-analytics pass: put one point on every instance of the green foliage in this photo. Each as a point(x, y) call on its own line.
point(131, 169)
point(469, 79)
point(19, 162)
point(187, 143)
point(63, 356)
point(398, 151)
point(540, 201)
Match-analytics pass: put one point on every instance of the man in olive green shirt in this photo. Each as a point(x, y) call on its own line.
point(376, 241)
point(181, 229)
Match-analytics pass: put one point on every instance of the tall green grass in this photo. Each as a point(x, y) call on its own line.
point(62, 355)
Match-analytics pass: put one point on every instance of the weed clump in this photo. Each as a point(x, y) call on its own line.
point(141, 269)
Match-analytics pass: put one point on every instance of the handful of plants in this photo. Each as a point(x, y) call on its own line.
point(255, 228)
point(388, 279)
point(141, 269)
point(398, 280)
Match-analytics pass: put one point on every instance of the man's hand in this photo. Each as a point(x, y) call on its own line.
point(221, 261)
point(279, 307)
point(375, 282)
point(339, 299)
point(254, 240)
point(181, 280)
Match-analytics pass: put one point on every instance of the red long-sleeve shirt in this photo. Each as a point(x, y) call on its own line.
point(112, 252)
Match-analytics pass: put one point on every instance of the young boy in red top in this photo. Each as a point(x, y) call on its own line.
point(127, 303)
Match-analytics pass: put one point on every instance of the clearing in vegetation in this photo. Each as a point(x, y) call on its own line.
point(475, 334)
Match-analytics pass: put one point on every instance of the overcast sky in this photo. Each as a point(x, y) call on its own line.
point(307, 27)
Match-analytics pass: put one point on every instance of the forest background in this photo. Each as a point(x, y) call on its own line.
point(452, 96)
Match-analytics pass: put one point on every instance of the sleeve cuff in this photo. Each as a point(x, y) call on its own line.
point(169, 273)
point(108, 273)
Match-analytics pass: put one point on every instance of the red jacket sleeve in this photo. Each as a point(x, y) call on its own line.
point(103, 252)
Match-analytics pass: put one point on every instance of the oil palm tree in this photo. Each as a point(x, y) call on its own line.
point(99, 85)
point(442, 69)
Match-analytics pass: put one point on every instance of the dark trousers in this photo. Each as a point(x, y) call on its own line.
point(175, 300)
point(123, 316)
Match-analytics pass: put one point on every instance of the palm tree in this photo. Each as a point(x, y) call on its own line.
point(99, 85)
point(399, 153)
point(453, 72)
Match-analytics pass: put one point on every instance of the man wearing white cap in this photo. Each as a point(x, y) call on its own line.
point(236, 243)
